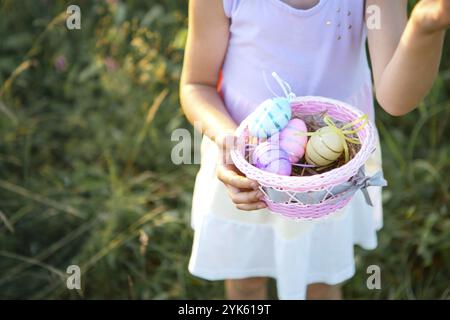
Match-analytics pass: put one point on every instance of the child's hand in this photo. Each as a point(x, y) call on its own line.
point(243, 192)
point(432, 15)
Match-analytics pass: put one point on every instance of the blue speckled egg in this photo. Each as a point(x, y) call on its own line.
point(270, 117)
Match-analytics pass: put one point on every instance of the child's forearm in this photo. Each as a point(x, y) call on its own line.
point(205, 109)
point(412, 70)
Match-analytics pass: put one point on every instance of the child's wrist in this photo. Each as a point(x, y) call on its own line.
point(426, 27)
point(224, 138)
point(419, 34)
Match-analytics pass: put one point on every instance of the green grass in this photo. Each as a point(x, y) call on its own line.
point(85, 177)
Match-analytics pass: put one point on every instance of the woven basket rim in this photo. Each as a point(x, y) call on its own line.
point(301, 181)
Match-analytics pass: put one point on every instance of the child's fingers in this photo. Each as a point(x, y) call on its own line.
point(244, 197)
point(247, 201)
point(251, 206)
point(232, 178)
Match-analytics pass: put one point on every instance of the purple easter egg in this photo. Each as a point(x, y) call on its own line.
point(269, 157)
point(292, 141)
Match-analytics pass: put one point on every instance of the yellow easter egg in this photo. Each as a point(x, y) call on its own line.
point(324, 148)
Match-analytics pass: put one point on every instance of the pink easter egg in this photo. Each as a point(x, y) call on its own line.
point(269, 157)
point(291, 139)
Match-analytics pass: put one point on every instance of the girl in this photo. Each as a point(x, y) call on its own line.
point(318, 47)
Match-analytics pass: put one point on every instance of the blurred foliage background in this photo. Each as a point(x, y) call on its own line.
point(86, 118)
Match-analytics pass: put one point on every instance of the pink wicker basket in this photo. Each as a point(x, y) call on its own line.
point(291, 196)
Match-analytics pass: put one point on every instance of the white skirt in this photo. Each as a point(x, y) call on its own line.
point(234, 244)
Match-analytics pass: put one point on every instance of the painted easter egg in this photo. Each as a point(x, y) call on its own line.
point(271, 158)
point(324, 148)
point(293, 139)
point(270, 117)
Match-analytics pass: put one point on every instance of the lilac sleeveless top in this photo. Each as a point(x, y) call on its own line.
point(318, 51)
